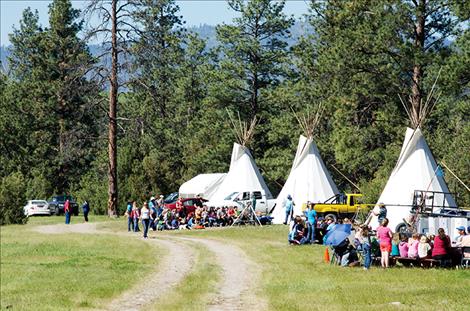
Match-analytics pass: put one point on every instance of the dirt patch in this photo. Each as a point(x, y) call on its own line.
point(238, 285)
point(236, 289)
point(86, 228)
point(177, 261)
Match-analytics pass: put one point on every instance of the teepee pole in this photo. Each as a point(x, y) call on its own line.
point(346, 178)
point(442, 162)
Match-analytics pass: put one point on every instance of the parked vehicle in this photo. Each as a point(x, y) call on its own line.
point(56, 204)
point(36, 207)
point(341, 205)
point(189, 204)
point(171, 198)
point(240, 199)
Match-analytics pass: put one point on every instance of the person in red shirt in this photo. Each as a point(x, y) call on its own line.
point(67, 211)
point(441, 247)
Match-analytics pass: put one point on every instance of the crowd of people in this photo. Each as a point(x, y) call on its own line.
point(366, 243)
point(155, 215)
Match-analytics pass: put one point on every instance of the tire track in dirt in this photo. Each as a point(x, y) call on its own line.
point(176, 264)
point(237, 288)
point(174, 267)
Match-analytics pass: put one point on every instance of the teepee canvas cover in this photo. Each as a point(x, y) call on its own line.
point(415, 170)
point(203, 184)
point(243, 175)
point(309, 180)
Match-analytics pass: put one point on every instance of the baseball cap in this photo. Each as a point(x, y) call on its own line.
point(152, 198)
point(462, 228)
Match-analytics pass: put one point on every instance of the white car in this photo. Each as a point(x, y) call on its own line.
point(37, 207)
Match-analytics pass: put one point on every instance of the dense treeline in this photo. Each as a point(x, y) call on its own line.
point(172, 110)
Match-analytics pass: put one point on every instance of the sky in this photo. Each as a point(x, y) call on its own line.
point(195, 12)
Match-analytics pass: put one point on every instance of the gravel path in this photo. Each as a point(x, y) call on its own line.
point(236, 288)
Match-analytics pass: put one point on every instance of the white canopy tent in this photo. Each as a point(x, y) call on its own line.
point(416, 169)
point(203, 184)
point(243, 175)
point(309, 180)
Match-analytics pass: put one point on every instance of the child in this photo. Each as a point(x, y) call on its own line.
point(423, 247)
point(395, 242)
point(403, 246)
point(413, 246)
point(366, 246)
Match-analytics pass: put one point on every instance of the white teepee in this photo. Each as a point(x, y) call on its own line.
point(309, 180)
point(203, 184)
point(416, 169)
point(243, 175)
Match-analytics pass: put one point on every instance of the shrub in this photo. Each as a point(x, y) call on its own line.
point(12, 199)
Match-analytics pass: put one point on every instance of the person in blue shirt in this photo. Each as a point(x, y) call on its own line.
point(130, 221)
point(311, 221)
point(289, 206)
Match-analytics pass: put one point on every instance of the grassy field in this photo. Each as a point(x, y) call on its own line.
point(295, 277)
point(68, 271)
point(54, 272)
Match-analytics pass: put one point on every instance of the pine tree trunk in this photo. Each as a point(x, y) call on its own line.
point(112, 140)
point(416, 91)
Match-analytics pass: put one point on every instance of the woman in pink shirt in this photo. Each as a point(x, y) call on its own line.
point(385, 237)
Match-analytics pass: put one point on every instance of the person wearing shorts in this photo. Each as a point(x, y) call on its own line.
point(384, 235)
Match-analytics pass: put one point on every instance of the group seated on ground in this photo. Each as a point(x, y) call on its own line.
point(367, 246)
point(164, 218)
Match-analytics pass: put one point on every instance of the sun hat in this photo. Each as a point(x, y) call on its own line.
point(461, 228)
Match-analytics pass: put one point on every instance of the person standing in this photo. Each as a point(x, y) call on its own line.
point(145, 218)
point(311, 221)
point(366, 246)
point(253, 201)
point(153, 213)
point(289, 206)
point(67, 211)
point(130, 221)
point(86, 210)
point(382, 213)
point(135, 216)
point(385, 237)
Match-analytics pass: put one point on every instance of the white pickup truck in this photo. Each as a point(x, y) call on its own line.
point(240, 199)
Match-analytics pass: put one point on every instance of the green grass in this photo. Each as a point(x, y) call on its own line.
point(67, 271)
point(193, 293)
point(296, 278)
point(64, 272)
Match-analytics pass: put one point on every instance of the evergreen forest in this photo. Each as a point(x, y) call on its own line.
point(150, 111)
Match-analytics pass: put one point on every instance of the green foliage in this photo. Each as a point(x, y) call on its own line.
point(254, 53)
point(172, 118)
point(49, 107)
point(12, 199)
